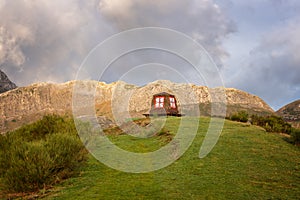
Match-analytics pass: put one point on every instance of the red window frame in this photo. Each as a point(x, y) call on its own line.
point(159, 102)
point(172, 102)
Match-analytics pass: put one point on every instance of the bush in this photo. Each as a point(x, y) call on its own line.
point(272, 123)
point(36, 156)
point(295, 136)
point(66, 152)
point(47, 125)
point(241, 116)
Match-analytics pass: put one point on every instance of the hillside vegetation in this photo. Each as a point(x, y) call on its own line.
point(246, 163)
point(272, 123)
point(39, 155)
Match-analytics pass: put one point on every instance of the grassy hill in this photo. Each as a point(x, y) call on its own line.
point(246, 163)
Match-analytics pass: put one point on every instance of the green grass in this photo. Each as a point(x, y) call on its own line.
point(246, 163)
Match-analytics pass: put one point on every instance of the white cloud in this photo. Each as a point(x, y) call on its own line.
point(273, 69)
point(9, 49)
point(47, 40)
point(201, 19)
point(2, 3)
point(44, 38)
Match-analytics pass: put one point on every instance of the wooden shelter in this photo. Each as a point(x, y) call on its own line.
point(164, 104)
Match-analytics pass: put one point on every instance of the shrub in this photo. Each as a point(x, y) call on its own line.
point(272, 123)
point(38, 156)
point(47, 125)
point(295, 136)
point(27, 167)
point(241, 116)
point(66, 153)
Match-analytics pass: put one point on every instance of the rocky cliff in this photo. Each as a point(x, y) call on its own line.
point(291, 113)
point(5, 83)
point(27, 104)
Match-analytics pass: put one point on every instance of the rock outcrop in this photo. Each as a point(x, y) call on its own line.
point(5, 83)
point(291, 113)
point(27, 104)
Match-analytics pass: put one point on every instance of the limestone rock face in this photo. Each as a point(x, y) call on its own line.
point(5, 83)
point(27, 104)
point(246, 100)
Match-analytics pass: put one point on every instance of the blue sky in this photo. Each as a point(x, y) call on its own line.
point(255, 44)
point(264, 27)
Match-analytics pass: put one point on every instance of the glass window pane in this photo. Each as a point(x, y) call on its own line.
point(173, 105)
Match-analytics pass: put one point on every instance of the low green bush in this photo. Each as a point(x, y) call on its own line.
point(36, 156)
point(47, 125)
point(241, 116)
point(295, 136)
point(272, 123)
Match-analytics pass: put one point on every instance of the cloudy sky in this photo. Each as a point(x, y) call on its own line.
point(255, 44)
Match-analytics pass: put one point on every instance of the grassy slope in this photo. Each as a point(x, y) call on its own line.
point(246, 163)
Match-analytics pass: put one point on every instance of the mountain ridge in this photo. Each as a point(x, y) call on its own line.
point(5, 83)
point(291, 113)
point(27, 104)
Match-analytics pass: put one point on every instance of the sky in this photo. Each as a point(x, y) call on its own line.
point(254, 44)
